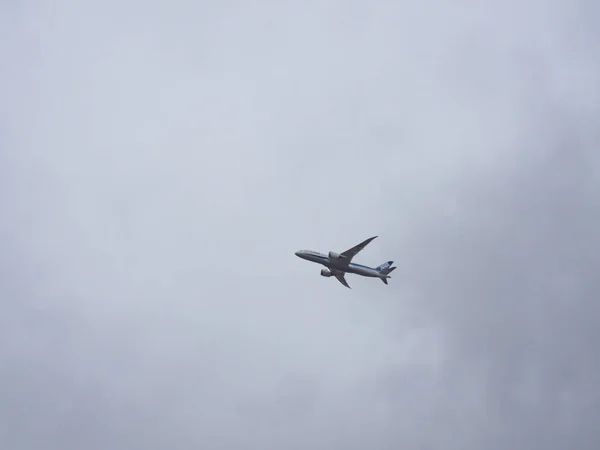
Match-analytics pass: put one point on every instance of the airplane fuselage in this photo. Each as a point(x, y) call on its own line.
point(338, 265)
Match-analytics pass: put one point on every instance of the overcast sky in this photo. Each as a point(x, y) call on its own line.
point(160, 163)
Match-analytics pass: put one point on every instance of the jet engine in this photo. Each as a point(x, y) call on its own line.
point(334, 255)
point(325, 273)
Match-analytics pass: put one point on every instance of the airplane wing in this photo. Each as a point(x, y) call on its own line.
point(341, 278)
point(351, 253)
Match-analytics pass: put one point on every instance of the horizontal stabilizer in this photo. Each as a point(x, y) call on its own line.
point(385, 271)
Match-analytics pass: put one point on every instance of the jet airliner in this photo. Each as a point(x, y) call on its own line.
point(339, 264)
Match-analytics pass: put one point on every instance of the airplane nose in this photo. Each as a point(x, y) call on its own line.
point(297, 253)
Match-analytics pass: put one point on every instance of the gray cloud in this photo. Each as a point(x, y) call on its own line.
point(160, 166)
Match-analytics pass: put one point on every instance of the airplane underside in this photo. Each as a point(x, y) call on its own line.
point(340, 273)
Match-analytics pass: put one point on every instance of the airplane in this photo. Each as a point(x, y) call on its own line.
point(339, 264)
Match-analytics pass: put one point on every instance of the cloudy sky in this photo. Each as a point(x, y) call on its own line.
point(160, 163)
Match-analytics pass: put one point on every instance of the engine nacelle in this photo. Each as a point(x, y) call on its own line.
point(325, 273)
point(334, 255)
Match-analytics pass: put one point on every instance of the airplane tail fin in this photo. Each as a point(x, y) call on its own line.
point(385, 269)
